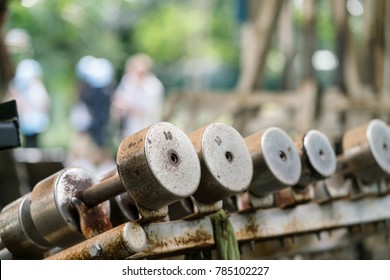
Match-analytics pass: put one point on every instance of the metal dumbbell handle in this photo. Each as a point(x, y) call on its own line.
point(100, 192)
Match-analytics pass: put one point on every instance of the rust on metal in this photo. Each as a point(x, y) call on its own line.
point(95, 220)
point(102, 191)
point(112, 244)
point(276, 162)
point(366, 150)
point(250, 228)
point(175, 237)
point(284, 198)
point(51, 200)
point(293, 196)
point(226, 165)
point(158, 166)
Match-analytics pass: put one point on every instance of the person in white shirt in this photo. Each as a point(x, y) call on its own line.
point(138, 99)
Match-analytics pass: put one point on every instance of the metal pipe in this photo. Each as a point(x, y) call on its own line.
point(117, 243)
point(171, 238)
point(177, 237)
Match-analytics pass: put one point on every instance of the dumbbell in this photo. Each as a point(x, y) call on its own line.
point(366, 151)
point(46, 218)
point(226, 168)
point(276, 164)
point(18, 232)
point(156, 166)
point(226, 165)
point(318, 160)
point(225, 162)
point(364, 162)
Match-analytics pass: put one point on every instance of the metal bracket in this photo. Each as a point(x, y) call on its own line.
point(361, 189)
point(148, 215)
point(265, 202)
point(95, 220)
point(291, 197)
point(204, 208)
point(334, 188)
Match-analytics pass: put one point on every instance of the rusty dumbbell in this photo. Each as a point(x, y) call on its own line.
point(363, 164)
point(46, 217)
point(225, 162)
point(226, 168)
point(366, 151)
point(318, 160)
point(276, 161)
point(156, 166)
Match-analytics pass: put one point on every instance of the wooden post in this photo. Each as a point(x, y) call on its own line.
point(256, 39)
point(5, 65)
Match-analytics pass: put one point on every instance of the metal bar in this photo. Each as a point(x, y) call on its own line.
point(310, 218)
point(102, 191)
point(177, 237)
point(117, 243)
point(167, 238)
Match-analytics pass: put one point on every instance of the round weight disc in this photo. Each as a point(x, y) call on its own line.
point(378, 136)
point(320, 153)
point(281, 156)
point(227, 158)
point(68, 183)
point(172, 159)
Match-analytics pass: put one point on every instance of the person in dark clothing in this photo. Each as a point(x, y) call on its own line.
point(90, 116)
point(96, 87)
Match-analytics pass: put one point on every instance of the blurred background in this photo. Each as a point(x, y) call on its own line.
point(202, 47)
point(295, 64)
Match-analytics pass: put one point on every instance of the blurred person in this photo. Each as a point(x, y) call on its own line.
point(138, 99)
point(93, 109)
point(90, 115)
point(32, 99)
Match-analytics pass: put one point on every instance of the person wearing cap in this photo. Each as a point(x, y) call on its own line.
point(32, 99)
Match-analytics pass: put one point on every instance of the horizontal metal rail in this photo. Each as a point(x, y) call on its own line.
point(177, 237)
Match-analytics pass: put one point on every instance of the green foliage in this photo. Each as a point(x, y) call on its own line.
point(173, 30)
point(325, 27)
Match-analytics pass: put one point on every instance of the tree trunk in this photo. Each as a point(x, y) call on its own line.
point(5, 64)
point(309, 39)
point(286, 42)
point(256, 39)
